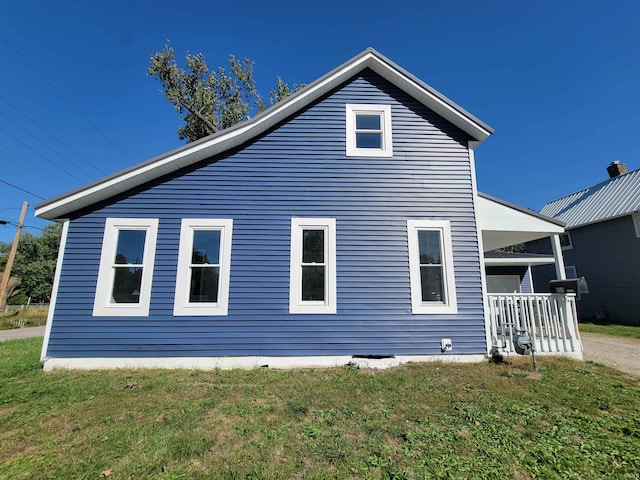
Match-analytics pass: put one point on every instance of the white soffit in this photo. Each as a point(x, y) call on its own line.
point(232, 137)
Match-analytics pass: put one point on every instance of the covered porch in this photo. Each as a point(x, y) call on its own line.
point(514, 306)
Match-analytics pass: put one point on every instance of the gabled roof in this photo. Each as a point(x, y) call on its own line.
point(503, 224)
point(65, 204)
point(612, 198)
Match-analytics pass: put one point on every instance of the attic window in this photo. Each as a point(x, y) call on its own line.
point(368, 130)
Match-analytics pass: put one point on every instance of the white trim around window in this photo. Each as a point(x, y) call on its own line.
point(204, 267)
point(373, 138)
point(565, 241)
point(442, 297)
point(127, 258)
point(313, 267)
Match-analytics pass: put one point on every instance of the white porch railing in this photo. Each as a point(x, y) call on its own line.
point(550, 319)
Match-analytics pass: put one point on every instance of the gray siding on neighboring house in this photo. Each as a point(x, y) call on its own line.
point(607, 254)
point(298, 169)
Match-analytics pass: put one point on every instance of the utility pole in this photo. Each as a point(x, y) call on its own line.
point(12, 255)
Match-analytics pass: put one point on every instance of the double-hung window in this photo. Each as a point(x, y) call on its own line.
point(126, 267)
point(368, 130)
point(433, 287)
point(204, 264)
point(313, 265)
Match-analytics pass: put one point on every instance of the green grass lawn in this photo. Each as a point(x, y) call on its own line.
point(614, 330)
point(569, 420)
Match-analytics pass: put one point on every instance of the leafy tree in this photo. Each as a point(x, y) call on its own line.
point(210, 100)
point(518, 248)
point(35, 262)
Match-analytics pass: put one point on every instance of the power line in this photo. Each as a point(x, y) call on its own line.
point(22, 189)
point(14, 153)
point(49, 147)
point(64, 97)
point(39, 125)
point(8, 222)
point(38, 153)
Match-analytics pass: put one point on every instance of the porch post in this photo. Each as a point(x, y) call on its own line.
point(567, 308)
point(557, 254)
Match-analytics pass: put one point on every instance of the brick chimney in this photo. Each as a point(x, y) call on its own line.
point(616, 169)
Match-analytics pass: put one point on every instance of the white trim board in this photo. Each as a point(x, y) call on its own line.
point(54, 290)
point(249, 362)
point(214, 144)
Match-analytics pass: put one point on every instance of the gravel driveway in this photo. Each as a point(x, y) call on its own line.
point(617, 352)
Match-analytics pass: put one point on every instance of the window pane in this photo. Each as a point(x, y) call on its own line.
point(429, 245)
point(313, 246)
point(130, 246)
point(313, 283)
point(204, 284)
point(368, 140)
point(206, 246)
point(367, 122)
point(565, 240)
point(126, 285)
point(432, 286)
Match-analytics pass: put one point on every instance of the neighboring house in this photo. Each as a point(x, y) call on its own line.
point(344, 222)
point(602, 243)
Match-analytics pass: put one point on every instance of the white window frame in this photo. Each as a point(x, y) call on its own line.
point(296, 304)
point(417, 305)
point(568, 236)
point(385, 123)
point(103, 306)
point(182, 306)
point(636, 223)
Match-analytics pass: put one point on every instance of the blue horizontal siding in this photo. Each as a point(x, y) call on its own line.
point(299, 168)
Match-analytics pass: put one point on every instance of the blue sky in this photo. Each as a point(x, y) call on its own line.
point(558, 80)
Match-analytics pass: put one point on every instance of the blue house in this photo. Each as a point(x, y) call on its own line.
point(342, 223)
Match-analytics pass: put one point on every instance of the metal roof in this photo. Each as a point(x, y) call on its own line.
point(65, 204)
point(612, 198)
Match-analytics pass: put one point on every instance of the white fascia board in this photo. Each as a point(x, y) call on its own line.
point(185, 156)
point(235, 136)
point(432, 101)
